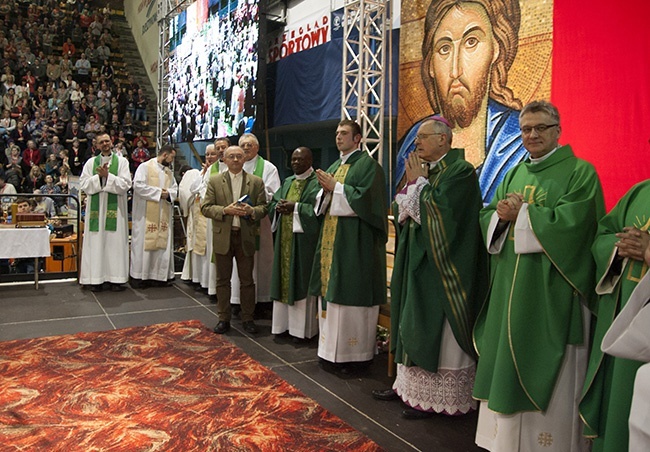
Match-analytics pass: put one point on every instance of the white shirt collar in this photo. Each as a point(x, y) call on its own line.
point(344, 158)
point(535, 161)
point(305, 175)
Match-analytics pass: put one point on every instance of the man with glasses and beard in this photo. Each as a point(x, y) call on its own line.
point(468, 48)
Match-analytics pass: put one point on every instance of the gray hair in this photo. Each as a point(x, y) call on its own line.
point(543, 106)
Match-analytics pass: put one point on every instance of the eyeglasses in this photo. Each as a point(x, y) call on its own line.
point(422, 136)
point(540, 128)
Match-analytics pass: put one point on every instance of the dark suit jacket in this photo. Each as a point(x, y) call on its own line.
point(218, 196)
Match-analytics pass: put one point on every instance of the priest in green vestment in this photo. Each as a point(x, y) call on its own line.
point(618, 251)
point(296, 228)
point(349, 272)
point(439, 278)
point(532, 334)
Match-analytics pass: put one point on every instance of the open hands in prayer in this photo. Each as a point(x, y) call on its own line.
point(633, 243)
point(414, 168)
point(285, 207)
point(238, 209)
point(326, 180)
point(508, 209)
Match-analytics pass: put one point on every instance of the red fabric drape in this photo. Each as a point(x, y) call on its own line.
point(601, 85)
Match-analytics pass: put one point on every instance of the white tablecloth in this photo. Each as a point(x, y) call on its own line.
point(24, 242)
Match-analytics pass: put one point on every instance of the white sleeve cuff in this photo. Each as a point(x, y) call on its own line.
point(525, 239)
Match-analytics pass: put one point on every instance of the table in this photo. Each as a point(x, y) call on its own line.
point(18, 243)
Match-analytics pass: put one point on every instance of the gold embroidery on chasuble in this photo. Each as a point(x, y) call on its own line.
point(329, 235)
point(286, 237)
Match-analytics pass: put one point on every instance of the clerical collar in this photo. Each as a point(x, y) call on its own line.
point(305, 175)
point(535, 161)
point(344, 158)
point(435, 162)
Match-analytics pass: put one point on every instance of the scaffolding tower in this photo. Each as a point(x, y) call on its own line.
point(365, 25)
point(167, 10)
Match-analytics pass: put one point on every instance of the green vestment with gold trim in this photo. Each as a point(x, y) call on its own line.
point(607, 394)
point(294, 252)
point(440, 266)
point(357, 275)
point(533, 309)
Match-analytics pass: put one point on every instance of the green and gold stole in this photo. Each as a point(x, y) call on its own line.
point(111, 205)
point(286, 237)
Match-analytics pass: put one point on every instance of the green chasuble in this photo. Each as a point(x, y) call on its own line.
point(440, 266)
point(294, 253)
point(357, 275)
point(607, 394)
point(534, 303)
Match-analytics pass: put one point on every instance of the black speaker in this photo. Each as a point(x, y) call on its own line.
point(58, 253)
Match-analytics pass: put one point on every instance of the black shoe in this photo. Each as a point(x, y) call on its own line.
point(139, 284)
point(96, 288)
point(410, 413)
point(384, 394)
point(213, 299)
point(222, 327)
point(355, 368)
point(117, 288)
point(250, 327)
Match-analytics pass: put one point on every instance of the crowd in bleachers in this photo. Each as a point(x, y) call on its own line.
point(59, 89)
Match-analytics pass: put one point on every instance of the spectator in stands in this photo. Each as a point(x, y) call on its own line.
point(53, 72)
point(6, 189)
point(31, 156)
point(92, 127)
point(107, 71)
point(7, 124)
point(34, 180)
point(140, 137)
point(131, 103)
point(66, 67)
point(78, 112)
point(52, 166)
point(139, 155)
point(9, 98)
point(20, 136)
point(54, 147)
point(69, 49)
point(20, 109)
point(82, 68)
point(64, 172)
point(103, 52)
point(44, 204)
point(78, 157)
point(141, 106)
point(74, 131)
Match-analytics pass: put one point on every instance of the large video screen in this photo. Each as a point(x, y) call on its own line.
point(213, 69)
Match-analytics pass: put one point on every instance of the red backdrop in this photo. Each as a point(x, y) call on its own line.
point(601, 85)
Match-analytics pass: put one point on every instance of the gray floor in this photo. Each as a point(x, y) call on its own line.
point(64, 307)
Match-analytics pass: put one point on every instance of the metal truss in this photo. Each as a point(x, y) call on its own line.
point(167, 10)
point(364, 60)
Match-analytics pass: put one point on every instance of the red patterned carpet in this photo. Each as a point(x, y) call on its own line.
point(169, 387)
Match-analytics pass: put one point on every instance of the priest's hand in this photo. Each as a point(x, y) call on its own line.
point(508, 209)
point(414, 168)
point(164, 194)
point(285, 207)
point(632, 243)
point(326, 180)
point(102, 171)
point(205, 168)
